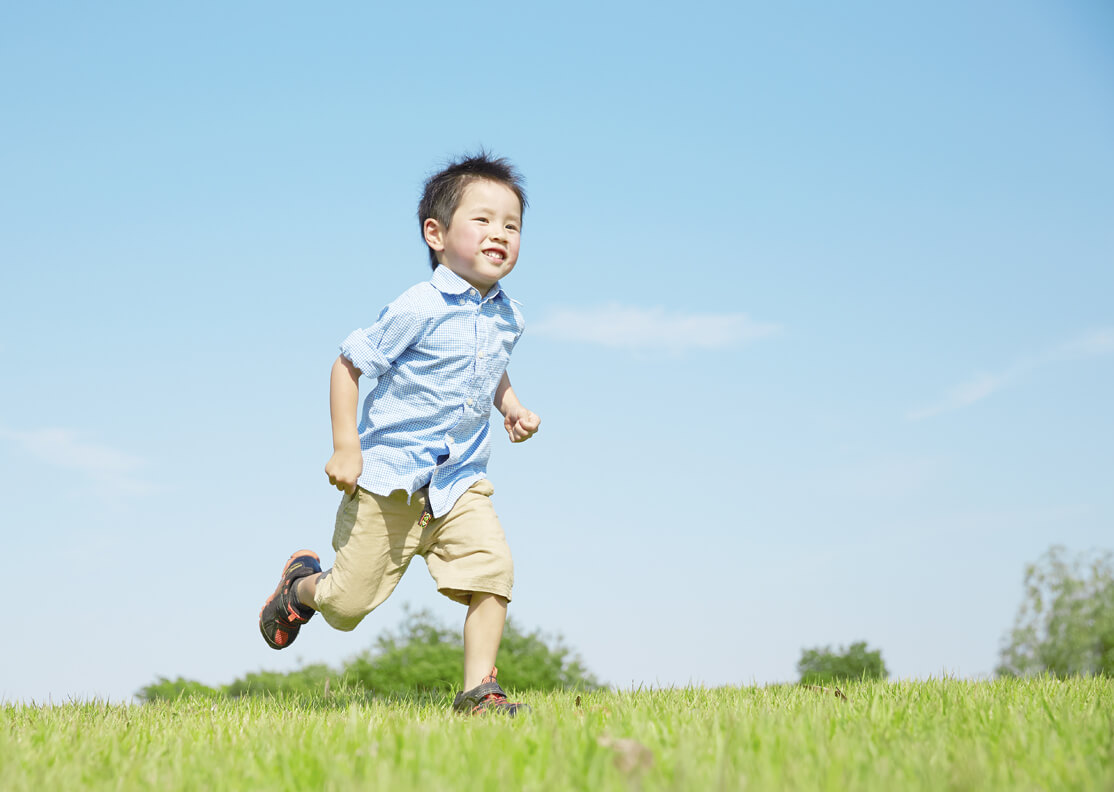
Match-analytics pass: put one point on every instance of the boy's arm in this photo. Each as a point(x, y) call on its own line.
point(520, 423)
point(347, 462)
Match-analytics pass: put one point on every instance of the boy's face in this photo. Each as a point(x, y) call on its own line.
point(481, 243)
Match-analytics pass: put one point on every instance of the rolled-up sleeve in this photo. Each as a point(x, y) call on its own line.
point(375, 349)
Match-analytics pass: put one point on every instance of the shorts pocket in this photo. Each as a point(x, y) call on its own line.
point(346, 518)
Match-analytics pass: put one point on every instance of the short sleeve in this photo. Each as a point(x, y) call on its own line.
point(375, 349)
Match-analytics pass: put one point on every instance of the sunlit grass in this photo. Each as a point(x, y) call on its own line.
point(944, 734)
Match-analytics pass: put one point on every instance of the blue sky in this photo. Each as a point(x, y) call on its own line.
point(821, 326)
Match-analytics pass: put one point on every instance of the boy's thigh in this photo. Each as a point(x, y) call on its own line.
point(467, 550)
point(375, 538)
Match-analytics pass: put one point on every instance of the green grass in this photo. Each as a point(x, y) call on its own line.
point(947, 734)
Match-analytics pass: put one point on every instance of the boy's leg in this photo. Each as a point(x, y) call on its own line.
point(306, 589)
point(483, 630)
point(375, 538)
point(467, 554)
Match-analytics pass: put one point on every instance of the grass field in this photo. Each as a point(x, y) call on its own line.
point(1036, 734)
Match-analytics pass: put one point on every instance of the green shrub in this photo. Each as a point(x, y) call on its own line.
point(823, 665)
point(305, 681)
point(423, 657)
point(165, 689)
point(530, 661)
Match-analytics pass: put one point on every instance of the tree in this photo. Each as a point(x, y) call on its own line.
point(822, 665)
point(1065, 625)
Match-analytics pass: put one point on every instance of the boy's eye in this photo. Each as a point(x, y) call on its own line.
point(481, 219)
point(512, 226)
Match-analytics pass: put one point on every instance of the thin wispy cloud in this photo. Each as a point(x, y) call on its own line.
point(1094, 343)
point(651, 329)
point(111, 471)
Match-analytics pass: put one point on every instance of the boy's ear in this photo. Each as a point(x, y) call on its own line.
point(434, 234)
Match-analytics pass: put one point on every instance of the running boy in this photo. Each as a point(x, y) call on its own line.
point(413, 471)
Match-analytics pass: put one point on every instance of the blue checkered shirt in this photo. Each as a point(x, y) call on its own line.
point(435, 356)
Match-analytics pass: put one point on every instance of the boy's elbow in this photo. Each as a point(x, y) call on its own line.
point(344, 364)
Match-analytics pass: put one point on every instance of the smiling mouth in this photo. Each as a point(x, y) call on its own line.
point(495, 255)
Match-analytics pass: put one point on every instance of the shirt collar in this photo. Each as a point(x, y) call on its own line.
point(448, 282)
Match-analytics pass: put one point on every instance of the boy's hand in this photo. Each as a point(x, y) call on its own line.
point(521, 424)
point(344, 468)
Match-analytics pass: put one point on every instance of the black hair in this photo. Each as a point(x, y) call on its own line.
point(444, 190)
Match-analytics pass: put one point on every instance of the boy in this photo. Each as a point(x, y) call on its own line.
point(413, 471)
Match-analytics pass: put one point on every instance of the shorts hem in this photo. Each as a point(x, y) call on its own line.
point(456, 592)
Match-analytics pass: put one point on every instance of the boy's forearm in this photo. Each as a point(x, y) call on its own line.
point(505, 398)
point(520, 423)
point(344, 394)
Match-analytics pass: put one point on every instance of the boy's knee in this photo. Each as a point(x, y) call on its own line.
point(343, 619)
point(344, 602)
point(342, 613)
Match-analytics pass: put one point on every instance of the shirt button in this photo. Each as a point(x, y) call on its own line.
point(474, 293)
point(480, 354)
point(462, 301)
point(469, 402)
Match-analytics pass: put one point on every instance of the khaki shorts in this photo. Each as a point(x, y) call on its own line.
point(377, 536)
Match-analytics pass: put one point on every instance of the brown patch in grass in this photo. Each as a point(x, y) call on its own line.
point(630, 755)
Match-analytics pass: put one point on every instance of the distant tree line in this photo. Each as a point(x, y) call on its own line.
point(1064, 627)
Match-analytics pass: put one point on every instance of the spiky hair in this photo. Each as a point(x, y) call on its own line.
point(445, 189)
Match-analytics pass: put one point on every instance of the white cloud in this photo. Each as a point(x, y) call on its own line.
point(111, 470)
point(630, 327)
point(1094, 343)
point(965, 394)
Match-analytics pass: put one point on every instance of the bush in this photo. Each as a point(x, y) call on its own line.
point(424, 657)
point(172, 689)
point(822, 665)
point(533, 662)
point(303, 682)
